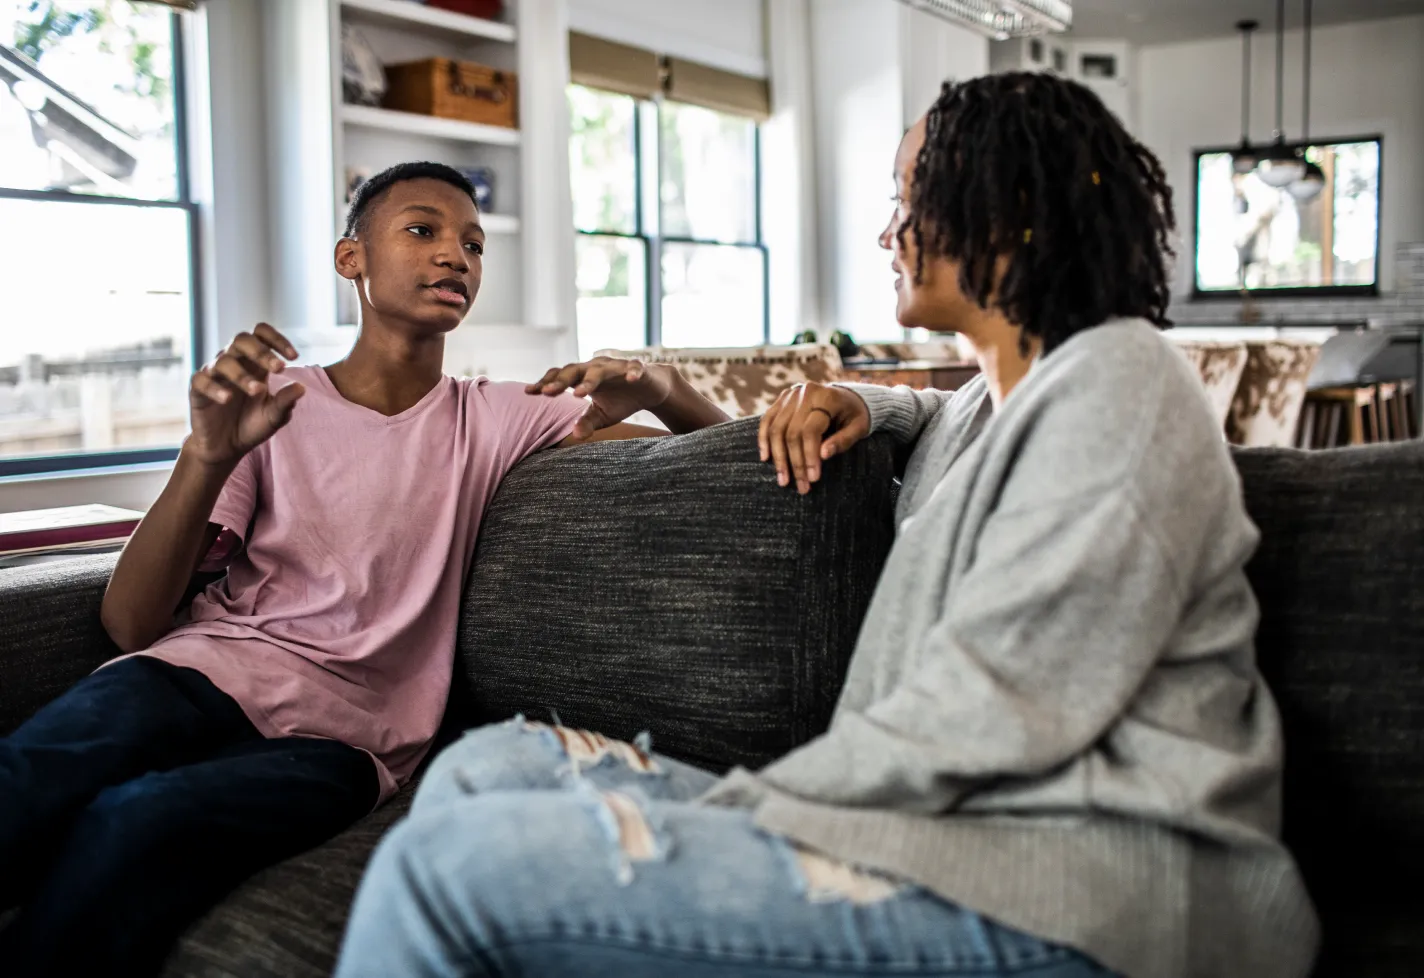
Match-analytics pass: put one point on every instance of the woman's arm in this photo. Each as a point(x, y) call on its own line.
point(1035, 652)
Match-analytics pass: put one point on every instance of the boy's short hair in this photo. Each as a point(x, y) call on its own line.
point(368, 192)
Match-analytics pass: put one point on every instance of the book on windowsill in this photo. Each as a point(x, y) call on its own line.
point(70, 529)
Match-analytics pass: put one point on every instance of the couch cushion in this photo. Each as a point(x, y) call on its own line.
point(1340, 578)
point(287, 921)
point(671, 585)
point(50, 634)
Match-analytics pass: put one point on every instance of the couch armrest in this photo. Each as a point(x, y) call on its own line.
point(50, 635)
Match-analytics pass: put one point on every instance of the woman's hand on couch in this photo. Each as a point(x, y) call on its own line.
point(793, 433)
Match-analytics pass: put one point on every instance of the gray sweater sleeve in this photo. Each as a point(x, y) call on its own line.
point(1033, 656)
point(900, 411)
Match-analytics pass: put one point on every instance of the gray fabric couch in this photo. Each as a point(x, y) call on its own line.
point(671, 586)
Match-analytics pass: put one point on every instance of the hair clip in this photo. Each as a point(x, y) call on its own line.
point(1097, 180)
point(1028, 235)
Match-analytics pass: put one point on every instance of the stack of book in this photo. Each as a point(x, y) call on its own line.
point(48, 534)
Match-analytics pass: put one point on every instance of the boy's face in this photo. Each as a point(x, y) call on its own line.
point(419, 258)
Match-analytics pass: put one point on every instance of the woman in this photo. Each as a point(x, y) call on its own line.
point(1054, 754)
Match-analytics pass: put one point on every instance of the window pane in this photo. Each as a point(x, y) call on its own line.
point(708, 175)
point(1261, 237)
point(86, 98)
point(713, 296)
point(602, 161)
point(612, 290)
point(94, 355)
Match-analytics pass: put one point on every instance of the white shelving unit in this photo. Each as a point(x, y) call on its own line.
point(371, 138)
point(416, 17)
point(317, 141)
point(412, 124)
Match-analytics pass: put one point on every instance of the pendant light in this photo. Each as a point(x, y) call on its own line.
point(1309, 186)
point(1244, 160)
point(1280, 166)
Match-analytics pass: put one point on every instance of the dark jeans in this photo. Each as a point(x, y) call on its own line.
point(135, 801)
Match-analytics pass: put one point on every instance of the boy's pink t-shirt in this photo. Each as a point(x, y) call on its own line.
point(337, 618)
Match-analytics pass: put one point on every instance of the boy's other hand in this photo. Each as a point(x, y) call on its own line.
point(793, 431)
point(232, 406)
point(618, 389)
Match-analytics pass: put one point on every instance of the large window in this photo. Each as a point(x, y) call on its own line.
point(97, 312)
point(1251, 235)
point(666, 203)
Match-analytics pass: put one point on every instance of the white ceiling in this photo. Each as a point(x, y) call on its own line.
point(1165, 21)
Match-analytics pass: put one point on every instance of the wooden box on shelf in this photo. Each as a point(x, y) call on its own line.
point(454, 90)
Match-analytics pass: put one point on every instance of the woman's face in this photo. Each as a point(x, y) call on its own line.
point(935, 301)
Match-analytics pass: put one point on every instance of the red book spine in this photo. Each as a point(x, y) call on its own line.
point(63, 536)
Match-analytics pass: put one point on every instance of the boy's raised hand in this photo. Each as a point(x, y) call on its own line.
point(618, 389)
point(232, 407)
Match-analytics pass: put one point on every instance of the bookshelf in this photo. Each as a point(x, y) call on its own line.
point(318, 143)
point(410, 124)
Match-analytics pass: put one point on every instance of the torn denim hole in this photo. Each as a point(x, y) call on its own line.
point(585, 748)
point(821, 879)
point(635, 836)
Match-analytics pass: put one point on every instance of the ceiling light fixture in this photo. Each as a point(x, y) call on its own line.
point(1312, 182)
point(1244, 160)
point(1280, 165)
point(1002, 19)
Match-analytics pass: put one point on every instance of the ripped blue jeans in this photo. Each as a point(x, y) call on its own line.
point(538, 851)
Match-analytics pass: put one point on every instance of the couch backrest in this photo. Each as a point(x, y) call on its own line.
point(671, 585)
point(1340, 579)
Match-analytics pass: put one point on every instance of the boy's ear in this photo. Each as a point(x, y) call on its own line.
point(348, 258)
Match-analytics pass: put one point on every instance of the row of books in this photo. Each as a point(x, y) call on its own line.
point(41, 533)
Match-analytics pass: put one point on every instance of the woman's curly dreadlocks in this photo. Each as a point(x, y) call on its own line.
point(1035, 170)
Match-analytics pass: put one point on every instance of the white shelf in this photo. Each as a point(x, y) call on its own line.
point(499, 223)
point(414, 16)
point(410, 123)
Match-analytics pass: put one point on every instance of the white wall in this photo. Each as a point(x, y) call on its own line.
point(727, 34)
point(1368, 78)
point(934, 51)
point(876, 67)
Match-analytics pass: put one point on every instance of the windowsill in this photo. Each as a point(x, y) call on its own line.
point(100, 471)
point(129, 486)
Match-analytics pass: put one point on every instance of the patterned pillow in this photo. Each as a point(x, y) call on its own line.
point(669, 584)
point(745, 381)
point(1220, 366)
point(1266, 410)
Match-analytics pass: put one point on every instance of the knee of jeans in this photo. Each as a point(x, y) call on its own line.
point(123, 824)
point(634, 833)
point(821, 879)
point(587, 748)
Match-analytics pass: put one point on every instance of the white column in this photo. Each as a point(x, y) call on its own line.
point(789, 215)
point(547, 213)
point(301, 40)
point(859, 102)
